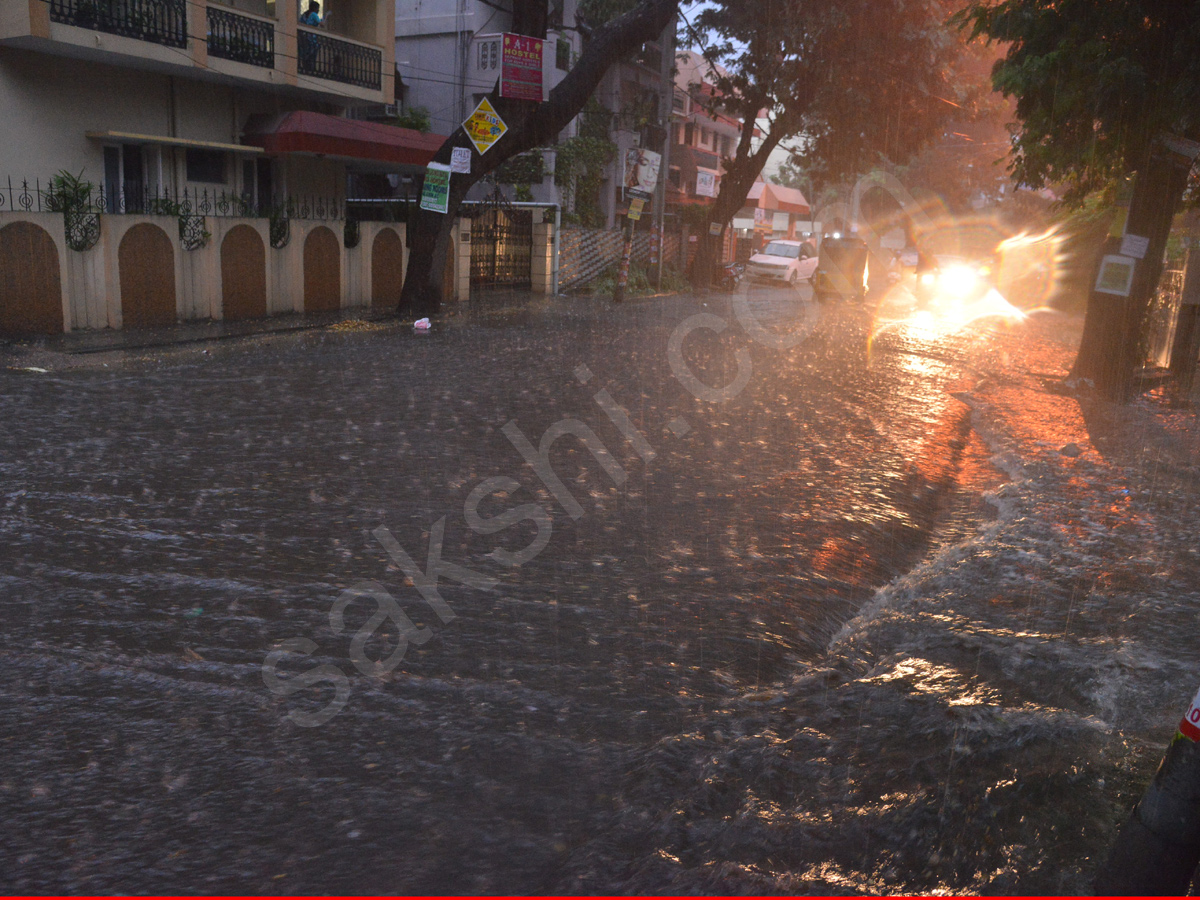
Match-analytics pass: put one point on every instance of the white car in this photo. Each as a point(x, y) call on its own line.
point(783, 262)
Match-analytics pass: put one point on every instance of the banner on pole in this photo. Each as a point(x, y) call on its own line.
point(435, 194)
point(460, 160)
point(484, 126)
point(521, 68)
point(641, 172)
point(1115, 275)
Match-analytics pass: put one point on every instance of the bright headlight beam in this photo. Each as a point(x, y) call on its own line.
point(959, 280)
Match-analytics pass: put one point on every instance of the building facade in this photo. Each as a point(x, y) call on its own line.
point(174, 160)
point(155, 96)
point(703, 134)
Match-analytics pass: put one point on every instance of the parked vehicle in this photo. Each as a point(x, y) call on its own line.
point(783, 262)
point(842, 268)
point(730, 276)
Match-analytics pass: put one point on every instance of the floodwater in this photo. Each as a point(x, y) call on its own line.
point(671, 692)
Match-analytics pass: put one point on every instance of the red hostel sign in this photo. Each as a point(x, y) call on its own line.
point(521, 68)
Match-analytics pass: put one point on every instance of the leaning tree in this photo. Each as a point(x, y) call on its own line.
point(530, 124)
point(849, 81)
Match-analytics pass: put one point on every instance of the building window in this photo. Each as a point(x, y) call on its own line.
point(703, 136)
point(689, 134)
point(562, 55)
point(206, 166)
point(489, 54)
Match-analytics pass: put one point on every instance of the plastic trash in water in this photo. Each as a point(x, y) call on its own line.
point(422, 325)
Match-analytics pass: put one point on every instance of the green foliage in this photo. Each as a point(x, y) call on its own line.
point(1095, 83)
point(526, 169)
point(858, 81)
point(581, 161)
point(640, 283)
point(598, 12)
point(416, 118)
point(69, 193)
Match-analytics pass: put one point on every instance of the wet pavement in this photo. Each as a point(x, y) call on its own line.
point(265, 630)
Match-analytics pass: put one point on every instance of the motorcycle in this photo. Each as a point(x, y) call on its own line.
point(730, 276)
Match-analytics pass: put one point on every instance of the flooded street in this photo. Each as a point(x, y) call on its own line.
point(562, 596)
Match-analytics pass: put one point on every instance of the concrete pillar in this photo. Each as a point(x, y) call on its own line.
point(542, 255)
point(462, 270)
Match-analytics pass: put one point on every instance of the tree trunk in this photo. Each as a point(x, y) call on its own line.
point(735, 187)
point(1112, 348)
point(530, 124)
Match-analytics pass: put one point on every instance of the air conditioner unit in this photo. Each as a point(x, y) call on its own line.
point(391, 109)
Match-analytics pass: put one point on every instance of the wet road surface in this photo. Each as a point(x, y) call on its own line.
point(758, 468)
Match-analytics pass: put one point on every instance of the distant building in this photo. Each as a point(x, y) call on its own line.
point(702, 134)
point(773, 211)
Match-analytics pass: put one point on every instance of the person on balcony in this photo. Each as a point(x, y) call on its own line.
point(308, 43)
point(312, 15)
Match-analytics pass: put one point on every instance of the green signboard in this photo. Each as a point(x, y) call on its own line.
point(435, 195)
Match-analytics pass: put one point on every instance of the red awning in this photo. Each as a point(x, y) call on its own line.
point(784, 199)
point(350, 139)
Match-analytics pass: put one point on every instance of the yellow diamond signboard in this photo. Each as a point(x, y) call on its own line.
point(484, 126)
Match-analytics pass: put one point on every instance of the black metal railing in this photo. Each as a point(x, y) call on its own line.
point(240, 38)
point(157, 21)
point(327, 57)
point(144, 199)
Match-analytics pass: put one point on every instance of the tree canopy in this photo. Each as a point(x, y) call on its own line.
point(852, 81)
point(1095, 83)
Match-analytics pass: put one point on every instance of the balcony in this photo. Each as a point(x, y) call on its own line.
point(259, 43)
point(334, 59)
point(157, 21)
point(241, 38)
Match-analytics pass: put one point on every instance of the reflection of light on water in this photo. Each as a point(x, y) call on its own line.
point(947, 314)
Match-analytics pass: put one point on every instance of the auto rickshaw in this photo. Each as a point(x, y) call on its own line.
point(841, 268)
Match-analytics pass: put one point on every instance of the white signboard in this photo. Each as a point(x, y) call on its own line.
point(460, 160)
point(706, 184)
point(1134, 245)
point(1116, 275)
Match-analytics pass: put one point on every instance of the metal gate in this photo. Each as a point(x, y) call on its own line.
point(501, 248)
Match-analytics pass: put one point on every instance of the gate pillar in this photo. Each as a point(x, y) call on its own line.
point(541, 261)
point(460, 287)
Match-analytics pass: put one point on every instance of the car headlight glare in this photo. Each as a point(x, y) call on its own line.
point(959, 280)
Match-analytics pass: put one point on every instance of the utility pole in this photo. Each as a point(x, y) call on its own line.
point(666, 106)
